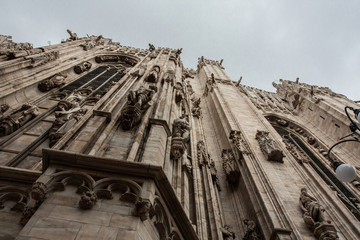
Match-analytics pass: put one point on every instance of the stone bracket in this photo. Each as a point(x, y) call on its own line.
point(102, 114)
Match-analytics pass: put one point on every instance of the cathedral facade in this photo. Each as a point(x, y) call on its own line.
point(104, 141)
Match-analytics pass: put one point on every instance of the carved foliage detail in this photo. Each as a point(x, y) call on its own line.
point(269, 147)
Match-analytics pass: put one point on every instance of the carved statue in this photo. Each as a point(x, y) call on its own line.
point(151, 47)
point(85, 66)
point(227, 233)
point(196, 109)
point(180, 136)
point(143, 208)
point(250, 233)
point(137, 104)
point(314, 217)
point(140, 70)
point(201, 153)
point(153, 75)
point(91, 43)
point(18, 119)
point(237, 138)
point(230, 168)
point(214, 177)
point(67, 113)
point(88, 200)
point(179, 92)
point(73, 36)
point(269, 147)
point(170, 76)
point(57, 80)
point(3, 109)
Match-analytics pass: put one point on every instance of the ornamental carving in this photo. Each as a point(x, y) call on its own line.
point(227, 234)
point(269, 147)
point(153, 76)
point(137, 103)
point(88, 200)
point(3, 108)
point(196, 109)
point(298, 154)
point(7, 45)
point(151, 47)
point(314, 217)
point(42, 58)
point(83, 67)
point(68, 112)
point(238, 139)
point(55, 81)
point(180, 136)
point(91, 43)
point(230, 167)
point(17, 119)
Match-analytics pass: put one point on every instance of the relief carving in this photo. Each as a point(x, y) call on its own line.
point(230, 168)
point(153, 75)
point(57, 80)
point(269, 147)
point(91, 43)
point(137, 104)
point(180, 136)
point(237, 138)
point(314, 217)
point(83, 67)
point(17, 119)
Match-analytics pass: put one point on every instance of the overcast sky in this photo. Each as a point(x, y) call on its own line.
point(261, 40)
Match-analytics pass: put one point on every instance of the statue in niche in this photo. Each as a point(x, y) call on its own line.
point(314, 217)
point(250, 233)
point(73, 36)
point(57, 80)
point(140, 70)
point(230, 168)
point(43, 58)
point(196, 109)
point(179, 92)
point(213, 173)
point(68, 112)
point(180, 136)
point(83, 67)
point(17, 119)
point(227, 234)
point(153, 75)
point(269, 147)
point(137, 103)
